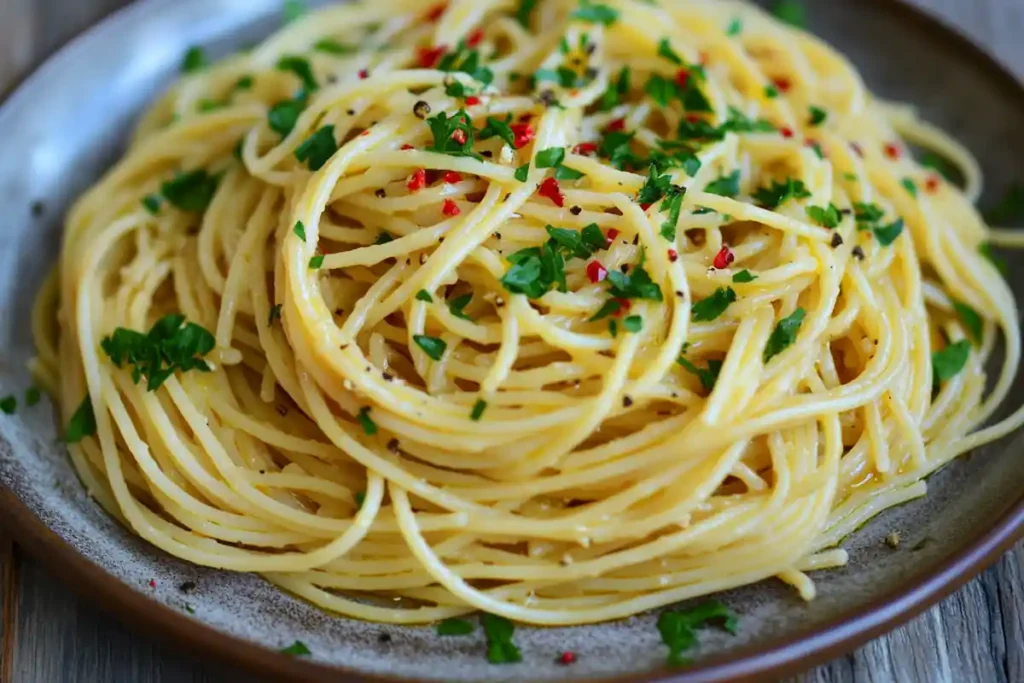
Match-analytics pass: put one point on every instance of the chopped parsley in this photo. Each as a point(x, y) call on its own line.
point(478, 410)
point(550, 158)
point(151, 203)
point(827, 217)
point(455, 627)
point(300, 230)
point(947, 363)
point(940, 164)
point(735, 27)
point(296, 648)
point(424, 295)
point(665, 50)
point(318, 148)
point(595, 13)
point(777, 194)
point(791, 12)
point(535, 270)
point(360, 498)
point(784, 334)
point(633, 323)
point(500, 647)
point(522, 173)
point(678, 628)
point(867, 213)
point(366, 422)
point(301, 67)
point(194, 60)
point(910, 186)
point(432, 346)
point(9, 404)
point(886, 235)
point(283, 116)
point(818, 116)
point(498, 128)
point(971, 320)
point(524, 10)
point(743, 277)
point(617, 89)
point(636, 285)
point(170, 345)
point(275, 314)
point(333, 47)
point(192, 191)
point(771, 92)
point(316, 262)
point(712, 307)
point(467, 61)
point(453, 135)
point(82, 423)
point(726, 186)
point(708, 376)
point(458, 304)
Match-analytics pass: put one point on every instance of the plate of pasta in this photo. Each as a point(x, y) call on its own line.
point(520, 341)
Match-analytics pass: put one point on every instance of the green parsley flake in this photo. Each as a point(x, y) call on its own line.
point(726, 186)
point(500, 647)
point(665, 50)
point(295, 649)
point(275, 314)
point(887, 235)
point(743, 277)
point(595, 13)
point(971, 319)
point(940, 164)
point(617, 90)
point(523, 12)
point(523, 172)
point(791, 12)
point(784, 334)
point(301, 67)
point(678, 628)
point(300, 230)
point(827, 217)
point(712, 307)
point(9, 404)
point(366, 422)
point(478, 410)
point(458, 304)
point(550, 158)
point(910, 186)
point(633, 323)
point(771, 92)
point(151, 203)
point(424, 295)
point(947, 363)
point(818, 116)
point(333, 47)
point(82, 422)
point(359, 498)
point(777, 194)
point(194, 60)
point(708, 377)
point(498, 128)
point(735, 27)
point(172, 344)
point(316, 262)
point(192, 191)
point(455, 627)
point(283, 116)
point(318, 148)
point(444, 129)
point(432, 346)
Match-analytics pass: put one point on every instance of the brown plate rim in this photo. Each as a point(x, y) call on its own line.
point(753, 664)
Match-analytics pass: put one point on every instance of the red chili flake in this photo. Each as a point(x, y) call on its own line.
point(553, 191)
point(609, 238)
point(786, 132)
point(617, 124)
point(459, 136)
point(364, 74)
point(893, 151)
point(152, 583)
point(452, 177)
point(682, 77)
point(596, 272)
point(645, 206)
point(523, 134)
point(692, 118)
point(585, 148)
point(624, 306)
point(451, 208)
point(783, 84)
point(475, 37)
point(567, 658)
point(932, 184)
point(724, 258)
point(418, 180)
point(435, 13)
point(673, 255)
point(472, 101)
point(407, 147)
point(429, 56)
point(857, 149)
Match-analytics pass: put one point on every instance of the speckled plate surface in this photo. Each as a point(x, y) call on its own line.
point(67, 123)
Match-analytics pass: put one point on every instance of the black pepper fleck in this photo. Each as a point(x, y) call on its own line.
point(187, 587)
point(387, 376)
point(837, 240)
point(384, 637)
point(381, 193)
point(576, 210)
point(393, 445)
point(626, 401)
point(624, 267)
point(487, 153)
point(282, 410)
point(421, 109)
point(858, 253)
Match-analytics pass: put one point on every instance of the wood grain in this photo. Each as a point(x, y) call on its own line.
point(49, 635)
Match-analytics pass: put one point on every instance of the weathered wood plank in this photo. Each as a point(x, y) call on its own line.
point(8, 605)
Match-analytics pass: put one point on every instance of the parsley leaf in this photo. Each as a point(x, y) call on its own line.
point(467, 61)
point(169, 346)
point(636, 285)
point(333, 47)
point(550, 158)
point(735, 27)
point(633, 323)
point(318, 148)
point(678, 628)
point(947, 363)
point(818, 116)
point(446, 131)
point(458, 304)
point(522, 173)
point(712, 307)
point(498, 128)
point(939, 163)
point(910, 186)
point(82, 423)
point(368, 425)
point(454, 627)
point(524, 10)
point(791, 11)
point(296, 648)
point(316, 261)
point(708, 377)
point(191, 191)
point(828, 217)
point(595, 14)
point(971, 320)
point(424, 295)
point(500, 647)
point(301, 67)
point(300, 230)
point(784, 334)
point(887, 235)
point(8, 405)
point(275, 314)
point(867, 213)
point(283, 116)
point(777, 194)
point(743, 277)
point(478, 410)
point(432, 346)
point(617, 89)
point(665, 50)
point(726, 186)
point(194, 60)
point(151, 203)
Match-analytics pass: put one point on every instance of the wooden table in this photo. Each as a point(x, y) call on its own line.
point(49, 635)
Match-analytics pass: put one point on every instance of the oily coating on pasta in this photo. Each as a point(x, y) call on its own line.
point(562, 315)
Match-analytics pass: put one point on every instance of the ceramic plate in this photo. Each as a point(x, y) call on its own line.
point(69, 121)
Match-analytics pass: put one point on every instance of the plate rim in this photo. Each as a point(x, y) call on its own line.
point(755, 663)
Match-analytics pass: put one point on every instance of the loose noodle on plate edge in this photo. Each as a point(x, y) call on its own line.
point(561, 311)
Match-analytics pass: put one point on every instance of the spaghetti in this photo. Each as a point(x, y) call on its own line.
point(562, 311)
